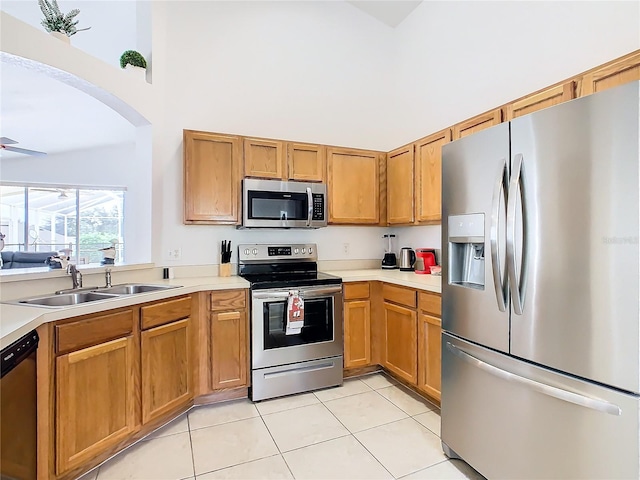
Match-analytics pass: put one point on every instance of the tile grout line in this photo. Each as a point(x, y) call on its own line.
point(193, 457)
point(356, 439)
point(276, 443)
point(238, 464)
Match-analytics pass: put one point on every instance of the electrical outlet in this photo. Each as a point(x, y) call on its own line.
point(175, 254)
point(345, 248)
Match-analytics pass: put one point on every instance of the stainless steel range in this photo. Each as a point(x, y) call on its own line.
point(287, 360)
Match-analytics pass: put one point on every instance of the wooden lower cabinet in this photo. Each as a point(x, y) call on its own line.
point(229, 367)
point(400, 334)
point(96, 400)
point(357, 333)
point(429, 354)
point(166, 369)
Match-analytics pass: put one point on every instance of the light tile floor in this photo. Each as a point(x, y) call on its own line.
point(369, 428)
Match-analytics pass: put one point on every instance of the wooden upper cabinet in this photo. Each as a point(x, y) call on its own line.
point(612, 74)
point(538, 101)
point(400, 180)
point(477, 123)
point(306, 162)
point(429, 176)
point(212, 165)
point(264, 158)
point(97, 403)
point(353, 185)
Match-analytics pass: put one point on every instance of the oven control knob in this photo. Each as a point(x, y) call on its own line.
point(254, 251)
point(295, 250)
point(304, 250)
point(310, 250)
point(246, 251)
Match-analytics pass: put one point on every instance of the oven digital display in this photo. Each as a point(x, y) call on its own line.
point(277, 251)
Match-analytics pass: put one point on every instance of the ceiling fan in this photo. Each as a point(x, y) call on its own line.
point(5, 145)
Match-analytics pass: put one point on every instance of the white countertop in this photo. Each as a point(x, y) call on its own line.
point(430, 283)
point(18, 320)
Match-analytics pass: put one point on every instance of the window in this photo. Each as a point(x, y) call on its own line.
point(80, 221)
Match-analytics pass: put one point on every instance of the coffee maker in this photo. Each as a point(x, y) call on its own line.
point(389, 261)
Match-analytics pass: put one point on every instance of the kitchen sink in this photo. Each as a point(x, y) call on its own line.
point(66, 299)
point(133, 288)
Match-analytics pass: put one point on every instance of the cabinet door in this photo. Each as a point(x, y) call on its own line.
point(538, 101)
point(166, 369)
point(478, 123)
point(211, 178)
point(96, 401)
point(229, 361)
point(353, 186)
point(357, 333)
point(264, 158)
point(429, 176)
point(429, 353)
point(401, 342)
point(400, 180)
point(305, 162)
point(619, 72)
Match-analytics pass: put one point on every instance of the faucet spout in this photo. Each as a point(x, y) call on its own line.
point(76, 276)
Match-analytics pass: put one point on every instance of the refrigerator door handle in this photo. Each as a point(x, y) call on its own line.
point(560, 394)
point(517, 285)
point(500, 189)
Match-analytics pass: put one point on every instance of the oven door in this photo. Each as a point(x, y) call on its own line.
point(275, 204)
point(320, 337)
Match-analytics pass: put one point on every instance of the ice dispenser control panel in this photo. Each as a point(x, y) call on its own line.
point(466, 250)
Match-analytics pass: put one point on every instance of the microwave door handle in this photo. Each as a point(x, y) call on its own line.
point(310, 206)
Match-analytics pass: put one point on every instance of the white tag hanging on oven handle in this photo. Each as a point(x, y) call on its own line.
point(295, 313)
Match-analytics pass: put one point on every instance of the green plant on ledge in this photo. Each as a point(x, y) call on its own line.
point(56, 21)
point(131, 57)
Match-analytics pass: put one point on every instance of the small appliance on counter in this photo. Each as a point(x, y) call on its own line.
point(425, 259)
point(389, 261)
point(407, 259)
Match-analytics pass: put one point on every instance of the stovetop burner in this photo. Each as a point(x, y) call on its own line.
point(281, 266)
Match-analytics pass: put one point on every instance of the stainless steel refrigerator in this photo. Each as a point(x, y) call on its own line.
point(540, 293)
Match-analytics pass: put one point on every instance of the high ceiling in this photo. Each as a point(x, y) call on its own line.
point(43, 114)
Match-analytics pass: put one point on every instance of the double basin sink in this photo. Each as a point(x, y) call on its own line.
point(86, 295)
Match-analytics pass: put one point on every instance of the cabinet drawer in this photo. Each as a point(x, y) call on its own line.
point(430, 303)
point(165, 312)
point(84, 333)
point(400, 295)
point(228, 299)
point(356, 290)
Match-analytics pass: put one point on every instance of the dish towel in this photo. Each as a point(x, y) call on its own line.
point(295, 313)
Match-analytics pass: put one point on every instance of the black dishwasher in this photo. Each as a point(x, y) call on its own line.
point(18, 409)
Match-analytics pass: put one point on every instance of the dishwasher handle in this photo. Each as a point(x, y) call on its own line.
point(15, 353)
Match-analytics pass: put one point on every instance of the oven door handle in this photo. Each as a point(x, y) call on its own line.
point(305, 293)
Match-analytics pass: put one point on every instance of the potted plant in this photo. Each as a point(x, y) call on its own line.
point(134, 62)
point(58, 24)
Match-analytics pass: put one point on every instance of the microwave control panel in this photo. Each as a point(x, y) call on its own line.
point(318, 206)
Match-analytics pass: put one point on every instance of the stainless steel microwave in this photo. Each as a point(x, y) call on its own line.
point(276, 204)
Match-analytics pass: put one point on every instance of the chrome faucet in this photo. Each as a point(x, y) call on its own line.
point(76, 276)
point(107, 277)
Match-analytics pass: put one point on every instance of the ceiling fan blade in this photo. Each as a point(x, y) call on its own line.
point(7, 141)
point(35, 153)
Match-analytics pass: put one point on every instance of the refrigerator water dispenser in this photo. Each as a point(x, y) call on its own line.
point(466, 250)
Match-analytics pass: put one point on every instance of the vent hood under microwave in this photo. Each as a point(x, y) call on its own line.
point(276, 204)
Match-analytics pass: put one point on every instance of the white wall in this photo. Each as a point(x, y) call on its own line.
point(305, 71)
point(113, 24)
point(453, 60)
